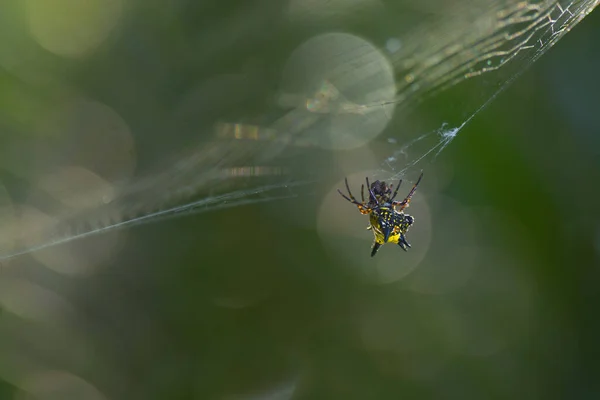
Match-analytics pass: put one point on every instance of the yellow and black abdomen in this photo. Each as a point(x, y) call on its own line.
point(389, 226)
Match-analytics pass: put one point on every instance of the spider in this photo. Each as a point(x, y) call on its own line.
point(387, 223)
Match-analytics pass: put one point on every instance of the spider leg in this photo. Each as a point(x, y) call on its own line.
point(396, 191)
point(404, 203)
point(371, 192)
point(348, 189)
point(351, 199)
point(376, 247)
point(362, 192)
point(403, 243)
point(362, 207)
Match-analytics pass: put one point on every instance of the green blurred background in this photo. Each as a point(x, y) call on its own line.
point(280, 300)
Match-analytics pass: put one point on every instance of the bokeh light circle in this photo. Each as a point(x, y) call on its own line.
point(338, 83)
point(77, 187)
point(72, 28)
point(92, 135)
point(31, 301)
point(57, 385)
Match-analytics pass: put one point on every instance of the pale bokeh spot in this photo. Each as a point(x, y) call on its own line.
point(393, 45)
point(72, 28)
point(36, 233)
point(57, 385)
point(31, 226)
point(77, 187)
point(31, 301)
point(82, 256)
point(338, 84)
point(92, 135)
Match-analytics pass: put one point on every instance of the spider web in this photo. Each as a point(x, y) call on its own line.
point(338, 92)
point(487, 65)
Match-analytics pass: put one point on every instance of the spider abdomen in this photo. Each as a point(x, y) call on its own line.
point(386, 220)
